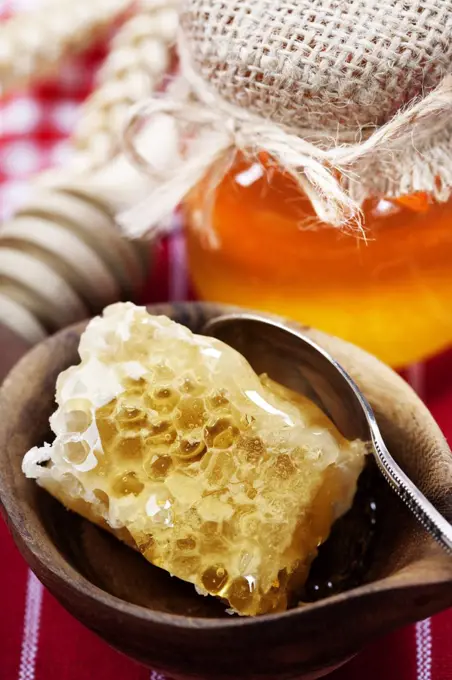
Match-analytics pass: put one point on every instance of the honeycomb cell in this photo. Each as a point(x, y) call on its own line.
point(214, 578)
point(163, 434)
point(222, 434)
point(144, 542)
point(128, 447)
point(160, 428)
point(242, 593)
point(127, 484)
point(251, 492)
point(76, 452)
point(186, 544)
point(78, 415)
point(191, 386)
point(133, 388)
point(102, 498)
point(218, 400)
point(223, 478)
point(253, 448)
point(130, 419)
point(283, 467)
point(209, 528)
point(106, 427)
point(191, 414)
point(70, 482)
point(158, 466)
point(214, 545)
point(190, 449)
point(103, 467)
point(165, 400)
point(163, 373)
point(221, 469)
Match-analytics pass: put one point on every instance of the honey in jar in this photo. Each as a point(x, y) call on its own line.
point(387, 288)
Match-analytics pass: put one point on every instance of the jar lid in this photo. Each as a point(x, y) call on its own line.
point(353, 98)
point(320, 64)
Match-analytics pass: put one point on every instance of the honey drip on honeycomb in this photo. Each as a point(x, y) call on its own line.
point(170, 440)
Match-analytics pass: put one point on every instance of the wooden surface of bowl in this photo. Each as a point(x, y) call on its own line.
point(161, 621)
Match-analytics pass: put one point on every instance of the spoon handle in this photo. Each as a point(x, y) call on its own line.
point(422, 509)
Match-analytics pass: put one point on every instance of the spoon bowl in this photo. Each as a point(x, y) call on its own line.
point(163, 623)
point(296, 361)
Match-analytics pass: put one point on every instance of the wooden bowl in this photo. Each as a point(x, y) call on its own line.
point(402, 575)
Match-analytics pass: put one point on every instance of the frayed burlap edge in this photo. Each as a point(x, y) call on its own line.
point(425, 165)
point(410, 153)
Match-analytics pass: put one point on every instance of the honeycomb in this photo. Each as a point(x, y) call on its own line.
point(171, 441)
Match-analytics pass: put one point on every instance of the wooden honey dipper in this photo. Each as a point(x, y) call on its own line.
point(62, 257)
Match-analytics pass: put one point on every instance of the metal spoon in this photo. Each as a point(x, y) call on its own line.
point(297, 362)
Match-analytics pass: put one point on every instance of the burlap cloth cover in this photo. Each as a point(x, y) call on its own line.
point(352, 97)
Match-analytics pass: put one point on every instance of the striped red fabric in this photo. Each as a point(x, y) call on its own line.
point(38, 639)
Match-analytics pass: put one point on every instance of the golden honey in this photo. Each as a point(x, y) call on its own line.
point(223, 478)
point(387, 289)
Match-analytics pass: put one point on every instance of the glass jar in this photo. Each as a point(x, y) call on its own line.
point(389, 291)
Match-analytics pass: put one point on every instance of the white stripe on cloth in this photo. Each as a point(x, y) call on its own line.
point(32, 620)
point(424, 644)
point(178, 272)
point(416, 378)
point(156, 676)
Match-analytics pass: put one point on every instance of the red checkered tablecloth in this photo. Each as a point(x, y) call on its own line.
point(38, 639)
